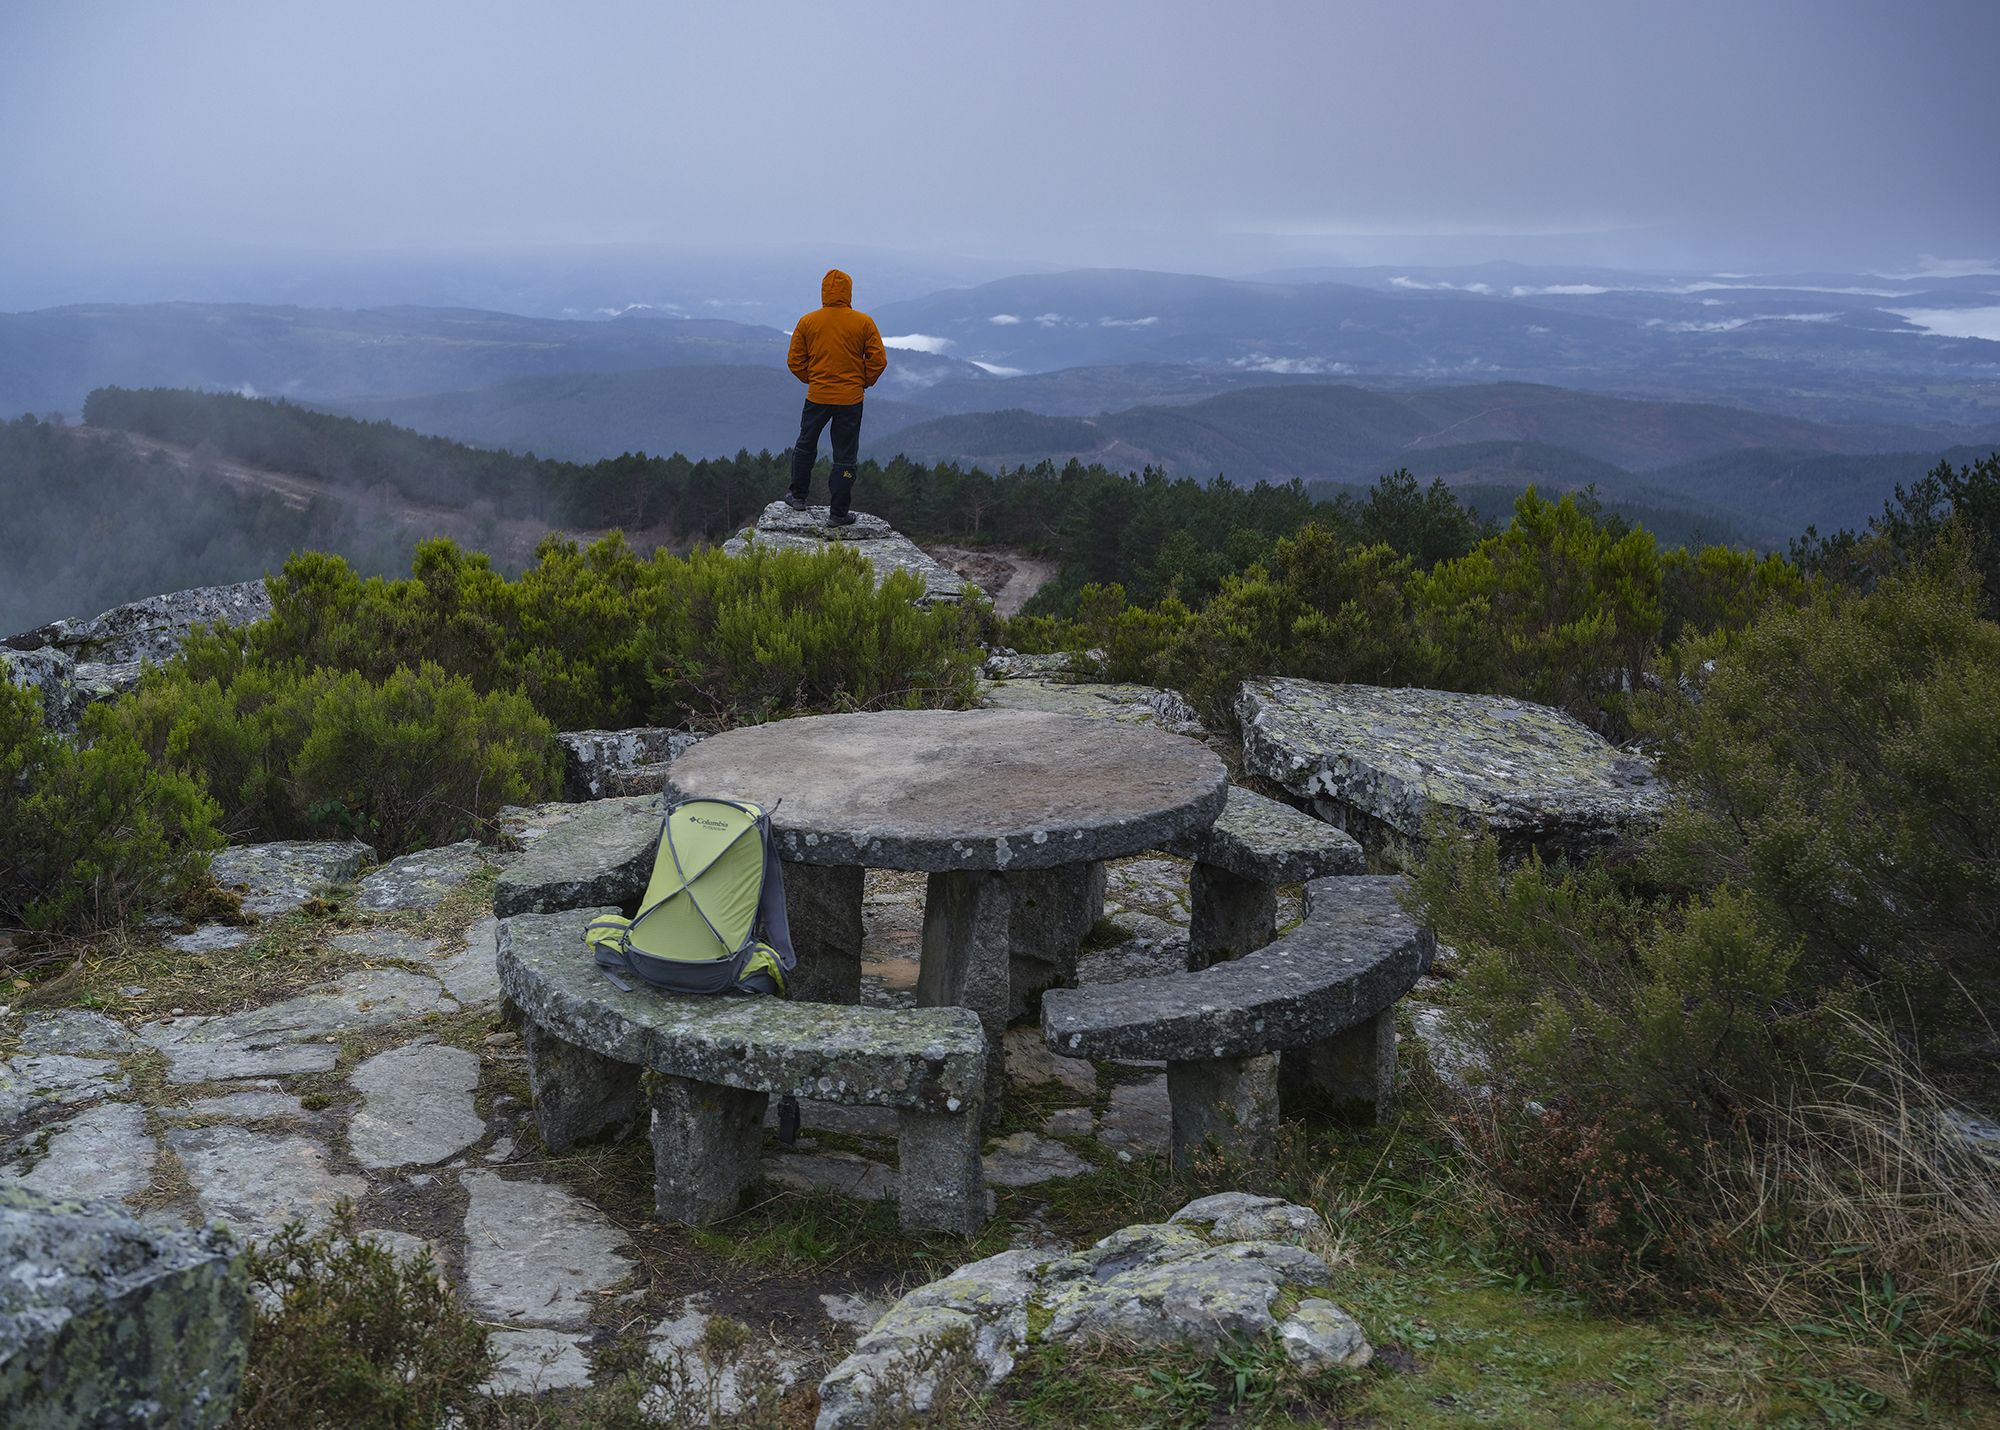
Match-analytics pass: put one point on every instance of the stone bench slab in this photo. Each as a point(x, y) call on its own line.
point(1260, 839)
point(927, 1059)
point(1355, 954)
point(602, 856)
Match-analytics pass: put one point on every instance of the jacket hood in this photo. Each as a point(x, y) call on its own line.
point(836, 289)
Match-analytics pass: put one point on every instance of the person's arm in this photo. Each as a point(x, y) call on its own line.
point(796, 359)
point(874, 357)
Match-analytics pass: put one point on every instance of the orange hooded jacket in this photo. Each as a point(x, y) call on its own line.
point(836, 352)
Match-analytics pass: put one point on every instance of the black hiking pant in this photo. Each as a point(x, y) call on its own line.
point(846, 420)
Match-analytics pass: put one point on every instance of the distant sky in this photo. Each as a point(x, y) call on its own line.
point(1170, 133)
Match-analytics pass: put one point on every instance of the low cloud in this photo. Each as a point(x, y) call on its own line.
point(1416, 285)
point(1730, 325)
point(1290, 366)
point(1051, 320)
point(1003, 320)
point(1126, 322)
point(1929, 266)
point(1954, 322)
point(1558, 290)
point(918, 343)
point(993, 369)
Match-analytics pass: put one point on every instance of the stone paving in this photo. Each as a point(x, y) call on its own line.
point(395, 1086)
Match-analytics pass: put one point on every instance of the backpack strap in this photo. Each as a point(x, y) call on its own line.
point(610, 939)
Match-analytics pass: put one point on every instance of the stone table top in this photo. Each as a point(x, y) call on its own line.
point(939, 790)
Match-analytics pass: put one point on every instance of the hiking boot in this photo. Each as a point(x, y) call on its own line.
point(796, 502)
point(845, 518)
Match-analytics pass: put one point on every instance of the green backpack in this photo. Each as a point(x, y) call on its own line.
point(713, 918)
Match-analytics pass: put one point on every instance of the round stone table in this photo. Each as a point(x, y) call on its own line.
point(1010, 812)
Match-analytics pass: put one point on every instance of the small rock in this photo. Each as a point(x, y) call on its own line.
point(281, 877)
point(1029, 1062)
point(855, 1313)
point(1138, 1116)
point(534, 1252)
point(1070, 1122)
point(417, 1107)
point(501, 1040)
point(1024, 1159)
point(1242, 1216)
point(210, 938)
point(841, 1172)
point(73, 1030)
point(420, 880)
point(1320, 1336)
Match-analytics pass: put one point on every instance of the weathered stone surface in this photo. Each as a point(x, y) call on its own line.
point(420, 880)
point(1224, 1107)
point(706, 1143)
point(943, 790)
point(1232, 915)
point(1029, 1061)
point(75, 1030)
point(535, 1255)
point(278, 878)
point(1005, 664)
point(37, 1080)
point(257, 1181)
point(579, 1095)
point(289, 1037)
point(470, 975)
point(1245, 1216)
point(1024, 1160)
point(1147, 705)
point(417, 1106)
point(1051, 912)
point(846, 1174)
point(1356, 952)
point(604, 764)
point(152, 629)
point(1380, 762)
point(253, 1106)
point(928, 1058)
point(1258, 838)
point(106, 1321)
point(601, 856)
point(1203, 1280)
point(536, 1362)
point(1350, 1075)
point(872, 538)
point(52, 675)
point(967, 960)
point(1138, 1116)
point(751, 1374)
point(210, 938)
point(823, 904)
point(104, 1152)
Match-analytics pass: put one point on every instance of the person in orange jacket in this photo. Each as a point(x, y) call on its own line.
point(837, 353)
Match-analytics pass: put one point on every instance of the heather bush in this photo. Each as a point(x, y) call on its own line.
point(415, 759)
point(92, 835)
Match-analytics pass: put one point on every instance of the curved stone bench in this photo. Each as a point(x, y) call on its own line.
point(1254, 846)
point(1324, 996)
point(718, 1060)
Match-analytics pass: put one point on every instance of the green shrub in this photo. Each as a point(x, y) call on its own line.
point(773, 633)
point(92, 835)
point(415, 759)
point(346, 1334)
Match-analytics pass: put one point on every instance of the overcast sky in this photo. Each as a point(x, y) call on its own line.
point(1220, 136)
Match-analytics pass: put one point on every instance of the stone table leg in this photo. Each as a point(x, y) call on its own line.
point(707, 1144)
point(1351, 1075)
point(578, 1094)
point(823, 907)
point(965, 959)
point(1225, 1107)
point(1231, 915)
point(1052, 911)
point(941, 1181)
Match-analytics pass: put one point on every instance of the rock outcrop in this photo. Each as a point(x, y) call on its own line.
point(885, 548)
point(76, 663)
point(1380, 763)
point(1167, 710)
point(609, 764)
point(106, 1321)
point(1226, 1268)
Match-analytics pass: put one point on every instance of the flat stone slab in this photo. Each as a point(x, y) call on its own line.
point(1025, 1160)
point(941, 790)
point(280, 877)
point(290, 1037)
point(845, 1174)
point(872, 538)
point(1384, 761)
point(1272, 843)
point(105, 1320)
point(104, 1152)
point(535, 1254)
point(75, 1030)
point(1146, 705)
point(1355, 954)
point(536, 1362)
point(253, 1106)
point(470, 974)
point(602, 764)
point(33, 1081)
point(420, 880)
point(929, 1059)
point(417, 1106)
point(600, 856)
point(728, 1382)
point(210, 938)
point(258, 1181)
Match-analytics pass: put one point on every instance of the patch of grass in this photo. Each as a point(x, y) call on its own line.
point(1113, 1387)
